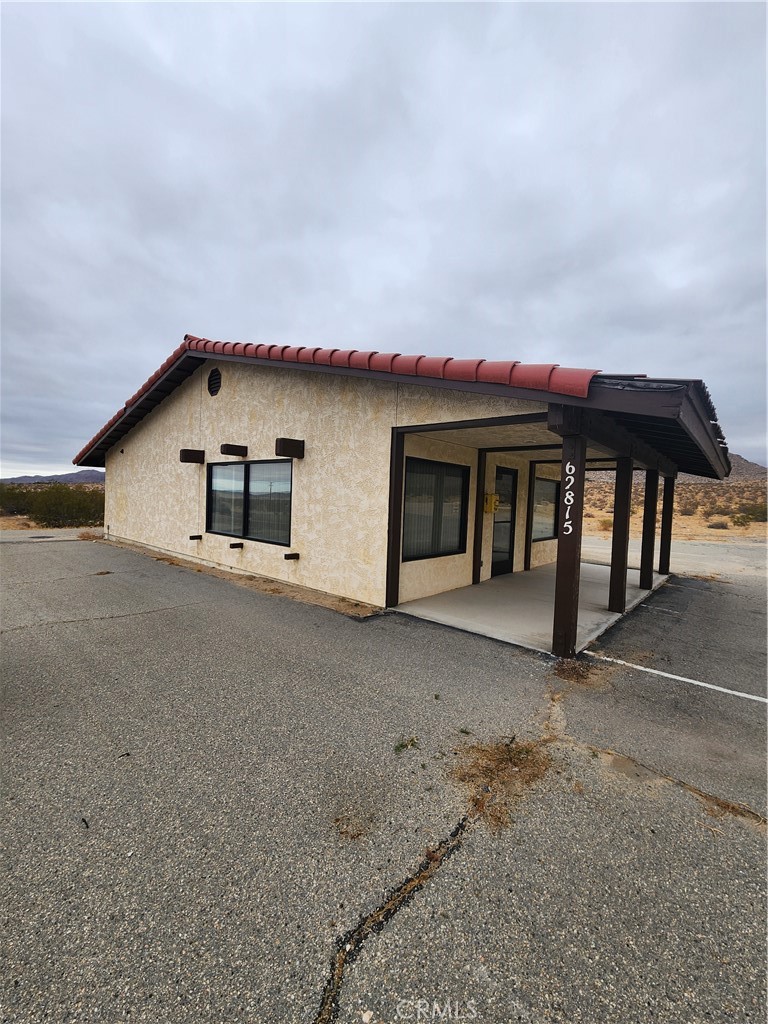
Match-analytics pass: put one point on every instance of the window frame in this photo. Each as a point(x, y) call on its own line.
point(556, 524)
point(243, 535)
point(463, 513)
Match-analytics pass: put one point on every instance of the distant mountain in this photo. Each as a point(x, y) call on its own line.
point(743, 469)
point(82, 476)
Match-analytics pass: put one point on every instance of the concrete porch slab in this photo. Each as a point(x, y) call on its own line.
point(518, 608)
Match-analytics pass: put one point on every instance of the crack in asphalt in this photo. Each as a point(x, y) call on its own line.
point(716, 804)
point(349, 945)
point(101, 618)
point(68, 579)
point(555, 725)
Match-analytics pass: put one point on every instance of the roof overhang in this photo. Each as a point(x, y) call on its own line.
point(674, 418)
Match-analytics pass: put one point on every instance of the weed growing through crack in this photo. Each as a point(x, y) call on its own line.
point(406, 743)
point(497, 775)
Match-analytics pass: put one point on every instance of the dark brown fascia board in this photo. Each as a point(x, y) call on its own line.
point(694, 419)
point(524, 448)
point(645, 402)
point(564, 420)
point(663, 404)
point(176, 374)
point(489, 421)
point(600, 468)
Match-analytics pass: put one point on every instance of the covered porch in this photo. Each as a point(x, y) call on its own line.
point(517, 607)
point(486, 515)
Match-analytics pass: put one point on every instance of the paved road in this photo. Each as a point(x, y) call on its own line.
point(208, 786)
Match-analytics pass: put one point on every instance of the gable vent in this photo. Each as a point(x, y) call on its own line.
point(214, 382)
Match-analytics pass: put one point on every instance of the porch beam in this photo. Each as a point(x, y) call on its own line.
point(603, 431)
point(570, 515)
point(649, 529)
point(622, 509)
point(667, 513)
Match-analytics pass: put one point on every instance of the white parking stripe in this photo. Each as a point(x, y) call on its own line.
point(679, 679)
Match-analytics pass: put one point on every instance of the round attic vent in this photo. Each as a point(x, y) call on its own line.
point(214, 382)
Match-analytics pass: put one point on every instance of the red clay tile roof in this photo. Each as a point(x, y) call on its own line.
point(550, 377)
point(546, 377)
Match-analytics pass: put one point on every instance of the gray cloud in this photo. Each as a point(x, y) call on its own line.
point(580, 184)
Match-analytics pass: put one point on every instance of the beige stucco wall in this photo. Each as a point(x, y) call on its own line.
point(416, 405)
point(340, 489)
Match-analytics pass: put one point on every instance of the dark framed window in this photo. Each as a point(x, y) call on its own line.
point(435, 509)
point(251, 500)
point(546, 501)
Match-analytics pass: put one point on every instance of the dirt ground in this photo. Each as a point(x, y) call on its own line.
point(598, 523)
point(17, 523)
point(708, 510)
point(344, 605)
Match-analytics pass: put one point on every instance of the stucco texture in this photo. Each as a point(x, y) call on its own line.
point(340, 491)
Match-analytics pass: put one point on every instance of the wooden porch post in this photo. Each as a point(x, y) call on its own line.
point(622, 507)
point(667, 512)
point(649, 528)
point(395, 531)
point(570, 516)
point(477, 546)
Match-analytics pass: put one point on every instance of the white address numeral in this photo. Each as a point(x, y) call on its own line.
point(568, 497)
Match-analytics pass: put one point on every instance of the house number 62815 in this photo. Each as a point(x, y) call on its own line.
point(568, 497)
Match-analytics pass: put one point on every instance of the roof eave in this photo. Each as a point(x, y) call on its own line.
point(685, 402)
point(696, 419)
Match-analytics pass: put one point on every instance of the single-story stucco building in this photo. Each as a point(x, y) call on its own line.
point(389, 479)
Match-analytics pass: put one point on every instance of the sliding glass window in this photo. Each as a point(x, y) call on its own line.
point(435, 509)
point(251, 500)
point(226, 498)
point(269, 502)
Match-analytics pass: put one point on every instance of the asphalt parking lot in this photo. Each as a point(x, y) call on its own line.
point(211, 793)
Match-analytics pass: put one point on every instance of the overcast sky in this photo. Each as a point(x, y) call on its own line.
point(582, 184)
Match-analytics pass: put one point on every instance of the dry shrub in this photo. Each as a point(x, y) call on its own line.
point(584, 673)
point(717, 524)
point(606, 525)
point(496, 776)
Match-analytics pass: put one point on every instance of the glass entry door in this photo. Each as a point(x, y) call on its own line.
point(504, 521)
